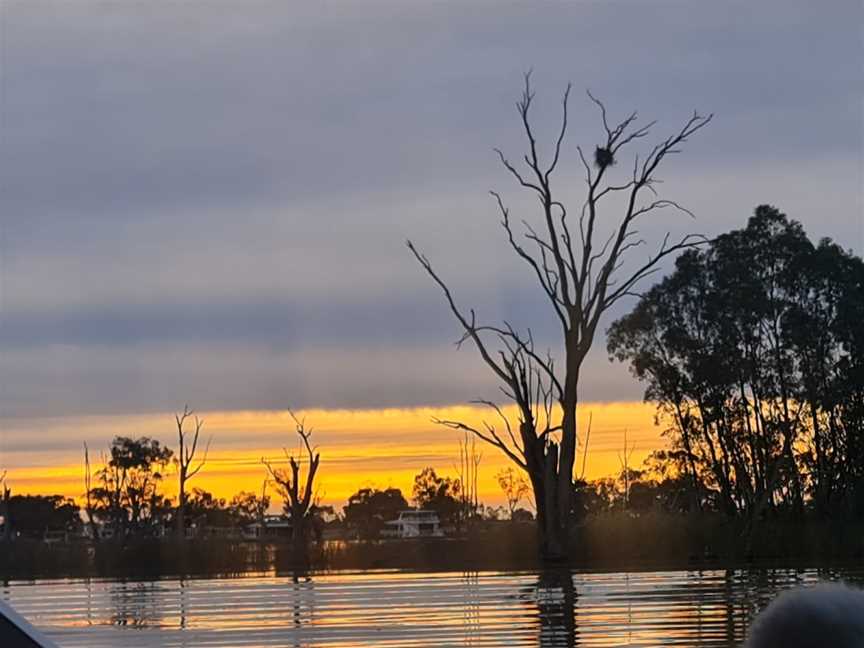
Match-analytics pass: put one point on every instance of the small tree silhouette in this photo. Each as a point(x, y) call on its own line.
point(298, 495)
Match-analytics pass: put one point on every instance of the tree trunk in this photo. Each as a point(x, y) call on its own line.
point(551, 527)
point(566, 461)
point(7, 521)
point(299, 545)
point(552, 544)
point(180, 527)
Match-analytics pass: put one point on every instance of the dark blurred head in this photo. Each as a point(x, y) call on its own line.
point(813, 617)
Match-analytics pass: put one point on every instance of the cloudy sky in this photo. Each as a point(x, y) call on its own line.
point(207, 202)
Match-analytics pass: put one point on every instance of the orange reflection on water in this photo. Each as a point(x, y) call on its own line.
point(554, 608)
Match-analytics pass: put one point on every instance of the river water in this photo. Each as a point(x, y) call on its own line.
point(556, 608)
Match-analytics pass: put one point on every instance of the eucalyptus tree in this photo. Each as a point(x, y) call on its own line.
point(578, 258)
point(369, 509)
point(825, 333)
point(247, 507)
point(513, 485)
point(128, 493)
point(752, 351)
point(444, 495)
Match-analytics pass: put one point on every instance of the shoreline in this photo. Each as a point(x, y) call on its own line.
point(652, 541)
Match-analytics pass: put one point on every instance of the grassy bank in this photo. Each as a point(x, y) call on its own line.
point(603, 542)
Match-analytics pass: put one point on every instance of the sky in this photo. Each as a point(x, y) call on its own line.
point(207, 203)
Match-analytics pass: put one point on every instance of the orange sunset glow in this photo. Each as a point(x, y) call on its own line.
point(380, 447)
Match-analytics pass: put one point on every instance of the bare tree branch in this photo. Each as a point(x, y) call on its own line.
point(490, 437)
point(469, 326)
point(297, 492)
point(580, 279)
point(188, 447)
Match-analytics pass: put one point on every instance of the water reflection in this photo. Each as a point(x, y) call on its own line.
point(136, 604)
point(556, 608)
point(472, 608)
point(553, 608)
point(184, 602)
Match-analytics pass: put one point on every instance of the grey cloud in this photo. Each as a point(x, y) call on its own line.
point(107, 111)
point(143, 379)
point(217, 201)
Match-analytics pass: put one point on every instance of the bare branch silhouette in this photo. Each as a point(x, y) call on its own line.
point(581, 278)
point(188, 443)
point(298, 494)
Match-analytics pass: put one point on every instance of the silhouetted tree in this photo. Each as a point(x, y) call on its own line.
point(514, 487)
point(187, 446)
point(205, 509)
point(468, 479)
point(89, 508)
point(247, 508)
point(297, 494)
point(368, 509)
point(5, 495)
point(521, 515)
point(34, 515)
point(752, 351)
point(128, 496)
point(579, 270)
point(439, 494)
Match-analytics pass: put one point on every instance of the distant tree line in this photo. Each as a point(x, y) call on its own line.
point(369, 509)
point(753, 351)
point(126, 498)
point(36, 515)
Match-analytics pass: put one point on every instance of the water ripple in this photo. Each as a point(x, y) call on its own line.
point(552, 608)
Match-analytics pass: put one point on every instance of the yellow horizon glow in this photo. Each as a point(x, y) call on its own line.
point(374, 447)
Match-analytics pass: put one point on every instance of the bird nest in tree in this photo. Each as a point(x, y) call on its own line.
point(603, 157)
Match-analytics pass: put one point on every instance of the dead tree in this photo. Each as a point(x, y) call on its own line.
point(298, 496)
point(581, 272)
point(88, 495)
point(188, 441)
point(468, 474)
point(626, 472)
point(5, 510)
point(261, 509)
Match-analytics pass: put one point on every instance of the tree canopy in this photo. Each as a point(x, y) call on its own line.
point(753, 350)
point(440, 494)
point(127, 496)
point(33, 515)
point(369, 508)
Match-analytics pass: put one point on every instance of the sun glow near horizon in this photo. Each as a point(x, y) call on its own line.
point(372, 447)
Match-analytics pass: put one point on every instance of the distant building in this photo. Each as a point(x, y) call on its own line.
point(273, 527)
point(103, 532)
point(210, 531)
point(414, 524)
point(56, 536)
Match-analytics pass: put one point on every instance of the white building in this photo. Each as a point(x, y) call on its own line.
point(273, 528)
point(414, 524)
